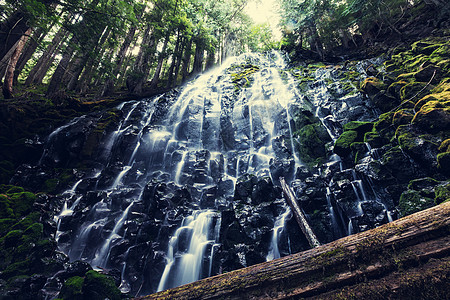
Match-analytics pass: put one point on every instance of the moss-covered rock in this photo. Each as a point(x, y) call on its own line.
point(97, 286)
point(311, 143)
point(72, 289)
point(22, 203)
point(445, 146)
point(412, 201)
point(443, 161)
point(433, 116)
point(403, 117)
point(372, 86)
point(360, 127)
point(442, 193)
point(343, 143)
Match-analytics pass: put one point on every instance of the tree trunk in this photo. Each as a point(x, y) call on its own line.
point(161, 57)
point(198, 58)
point(178, 64)
point(41, 67)
point(93, 63)
point(9, 75)
point(4, 61)
point(405, 259)
point(211, 59)
point(11, 30)
point(186, 60)
point(108, 87)
point(170, 77)
point(32, 45)
point(57, 77)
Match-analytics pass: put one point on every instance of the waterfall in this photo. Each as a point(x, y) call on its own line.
point(185, 185)
point(185, 259)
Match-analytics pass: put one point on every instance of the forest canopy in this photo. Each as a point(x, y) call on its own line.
point(59, 48)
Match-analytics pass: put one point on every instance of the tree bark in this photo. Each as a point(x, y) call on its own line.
point(186, 60)
point(11, 31)
point(198, 58)
point(108, 87)
point(405, 259)
point(170, 77)
point(55, 82)
point(28, 52)
point(161, 58)
point(41, 67)
point(9, 75)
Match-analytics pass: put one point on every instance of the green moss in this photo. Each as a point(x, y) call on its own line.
point(422, 183)
point(33, 233)
point(342, 145)
point(442, 193)
point(72, 288)
point(27, 221)
point(372, 85)
point(5, 207)
point(16, 269)
point(98, 287)
point(374, 139)
point(15, 189)
point(5, 225)
point(433, 116)
point(414, 90)
point(311, 143)
point(12, 238)
point(403, 117)
point(360, 127)
point(50, 185)
point(443, 160)
point(22, 203)
point(412, 201)
point(445, 146)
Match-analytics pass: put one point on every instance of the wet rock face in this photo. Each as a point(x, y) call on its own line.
point(131, 181)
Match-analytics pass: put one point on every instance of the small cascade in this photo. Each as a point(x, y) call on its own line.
point(101, 257)
point(280, 223)
point(188, 246)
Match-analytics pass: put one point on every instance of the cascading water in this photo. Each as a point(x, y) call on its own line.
point(183, 186)
point(173, 167)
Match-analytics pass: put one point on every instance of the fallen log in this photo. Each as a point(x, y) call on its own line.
point(298, 214)
point(405, 259)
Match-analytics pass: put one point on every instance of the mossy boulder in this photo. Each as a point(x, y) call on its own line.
point(343, 143)
point(373, 139)
point(442, 193)
point(97, 286)
point(372, 85)
point(22, 203)
point(403, 117)
point(445, 146)
point(311, 143)
point(72, 289)
point(414, 90)
point(412, 201)
point(360, 127)
point(13, 238)
point(433, 116)
point(443, 161)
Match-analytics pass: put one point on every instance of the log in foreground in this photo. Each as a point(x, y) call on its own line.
point(405, 259)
